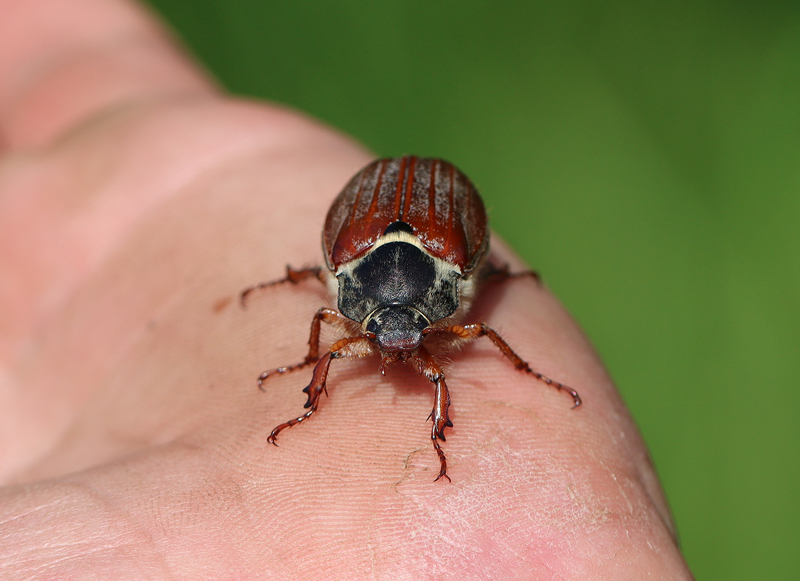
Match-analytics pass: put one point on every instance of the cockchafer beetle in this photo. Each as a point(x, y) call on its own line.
point(405, 246)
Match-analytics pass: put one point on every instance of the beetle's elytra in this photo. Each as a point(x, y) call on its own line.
point(405, 246)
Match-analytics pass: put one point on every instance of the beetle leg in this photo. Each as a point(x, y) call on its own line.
point(347, 347)
point(440, 421)
point(314, 389)
point(329, 316)
point(475, 331)
point(441, 403)
point(494, 274)
point(293, 276)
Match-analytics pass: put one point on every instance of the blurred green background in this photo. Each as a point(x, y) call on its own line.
point(644, 156)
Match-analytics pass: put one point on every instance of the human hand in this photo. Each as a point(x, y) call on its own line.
point(136, 200)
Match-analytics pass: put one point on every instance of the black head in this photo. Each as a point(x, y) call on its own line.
point(397, 328)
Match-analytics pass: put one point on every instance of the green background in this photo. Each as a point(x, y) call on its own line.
point(644, 156)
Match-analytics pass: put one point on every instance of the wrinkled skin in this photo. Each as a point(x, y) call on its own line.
point(135, 201)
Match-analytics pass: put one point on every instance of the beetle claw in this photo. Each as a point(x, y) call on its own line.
point(442, 461)
point(443, 475)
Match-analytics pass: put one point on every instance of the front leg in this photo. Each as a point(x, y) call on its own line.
point(348, 347)
point(324, 314)
point(314, 390)
point(441, 404)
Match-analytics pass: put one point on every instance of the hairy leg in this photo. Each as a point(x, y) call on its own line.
point(441, 404)
point(347, 347)
point(331, 317)
point(293, 276)
point(474, 331)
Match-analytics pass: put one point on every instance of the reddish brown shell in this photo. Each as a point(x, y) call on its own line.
point(439, 202)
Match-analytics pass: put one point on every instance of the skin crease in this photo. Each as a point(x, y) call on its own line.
point(135, 201)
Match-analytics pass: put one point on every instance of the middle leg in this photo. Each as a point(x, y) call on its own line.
point(474, 331)
point(331, 317)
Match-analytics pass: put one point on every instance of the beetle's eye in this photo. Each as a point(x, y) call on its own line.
point(372, 327)
point(398, 226)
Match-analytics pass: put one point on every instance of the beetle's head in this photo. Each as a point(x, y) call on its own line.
point(397, 328)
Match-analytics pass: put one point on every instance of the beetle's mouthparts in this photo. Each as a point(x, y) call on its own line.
point(397, 328)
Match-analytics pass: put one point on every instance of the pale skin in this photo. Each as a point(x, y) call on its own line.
point(136, 201)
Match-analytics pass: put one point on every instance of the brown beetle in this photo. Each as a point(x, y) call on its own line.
point(405, 244)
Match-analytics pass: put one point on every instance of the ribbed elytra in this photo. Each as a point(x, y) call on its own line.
point(438, 202)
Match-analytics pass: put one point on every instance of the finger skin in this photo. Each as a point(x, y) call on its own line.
point(63, 62)
point(135, 438)
point(125, 142)
point(172, 431)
